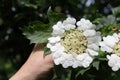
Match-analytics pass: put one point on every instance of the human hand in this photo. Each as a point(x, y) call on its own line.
point(37, 66)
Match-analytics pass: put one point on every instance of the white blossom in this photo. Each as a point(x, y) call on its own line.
point(111, 44)
point(114, 61)
point(73, 45)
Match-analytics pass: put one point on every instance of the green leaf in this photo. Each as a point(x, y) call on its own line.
point(37, 26)
point(38, 36)
point(102, 56)
point(46, 51)
point(96, 64)
point(110, 29)
point(34, 3)
point(104, 22)
point(55, 16)
point(116, 11)
point(37, 32)
point(82, 71)
point(110, 19)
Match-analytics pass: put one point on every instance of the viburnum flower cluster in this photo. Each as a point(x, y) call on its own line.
point(74, 43)
point(111, 44)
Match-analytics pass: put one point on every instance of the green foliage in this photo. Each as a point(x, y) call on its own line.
point(34, 4)
point(38, 36)
point(116, 11)
point(61, 73)
point(96, 64)
point(39, 32)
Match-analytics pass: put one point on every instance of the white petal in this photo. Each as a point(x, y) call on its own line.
point(111, 62)
point(92, 52)
point(55, 27)
point(88, 59)
point(108, 56)
point(109, 41)
point(58, 32)
point(57, 61)
point(81, 57)
point(57, 47)
point(75, 64)
point(114, 56)
point(105, 48)
point(93, 46)
point(70, 20)
point(49, 45)
point(93, 39)
point(53, 48)
point(116, 36)
point(69, 26)
point(65, 64)
point(85, 64)
point(84, 24)
point(115, 68)
point(119, 35)
point(89, 32)
point(59, 24)
point(54, 39)
point(118, 64)
point(57, 54)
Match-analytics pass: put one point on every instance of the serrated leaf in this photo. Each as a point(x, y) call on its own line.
point(37, 32)
point(37, 26)
point(38, 36)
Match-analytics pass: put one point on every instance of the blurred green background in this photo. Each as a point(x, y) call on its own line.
point(16, 14)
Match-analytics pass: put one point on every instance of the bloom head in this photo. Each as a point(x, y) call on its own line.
point(74, 43)
point(111, 44)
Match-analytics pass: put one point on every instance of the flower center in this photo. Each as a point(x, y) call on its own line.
point(74, 41)
point(116, 49)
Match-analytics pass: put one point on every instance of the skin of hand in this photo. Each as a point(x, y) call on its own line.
point(37, 67)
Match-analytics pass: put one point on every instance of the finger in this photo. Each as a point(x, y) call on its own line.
point(49, 59)
point(38, 47)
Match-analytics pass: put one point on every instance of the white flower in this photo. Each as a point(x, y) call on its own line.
point(114, 62)
point(111, 44)
point(73, 45)
point(84, 24)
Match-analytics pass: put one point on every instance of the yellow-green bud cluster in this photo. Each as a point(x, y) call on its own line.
point(116, 48)
point(74, 41)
